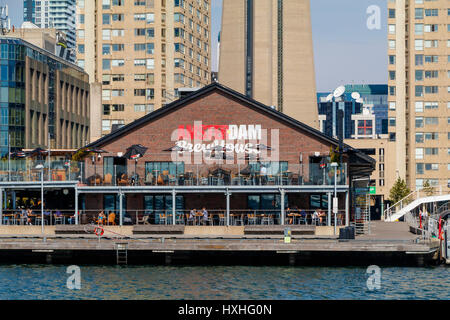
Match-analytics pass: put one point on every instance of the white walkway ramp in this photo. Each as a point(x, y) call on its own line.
point(394, 216)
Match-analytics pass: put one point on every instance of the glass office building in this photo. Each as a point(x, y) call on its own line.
point(41, 96)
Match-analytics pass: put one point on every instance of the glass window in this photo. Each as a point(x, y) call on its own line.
point(419, 137)
point(419, 122)
point(106, 64)
point(419, 59)
point(419, 106)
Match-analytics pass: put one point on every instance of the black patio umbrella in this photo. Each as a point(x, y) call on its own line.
point(97, 151)
point(220, 171)
point(18, 154)
point(261, 146)
point(175, 148)
point(38, 152)
point(135, 152)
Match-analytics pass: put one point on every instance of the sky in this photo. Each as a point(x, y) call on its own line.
point(345, 50)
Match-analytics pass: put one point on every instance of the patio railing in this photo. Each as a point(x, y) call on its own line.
point(174, 174)
point(216, 217)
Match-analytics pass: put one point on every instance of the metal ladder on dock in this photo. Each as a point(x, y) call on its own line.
point(122, 253)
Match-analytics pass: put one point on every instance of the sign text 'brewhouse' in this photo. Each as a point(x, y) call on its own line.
point(190, 138)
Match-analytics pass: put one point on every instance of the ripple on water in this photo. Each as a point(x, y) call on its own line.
point(221, 282)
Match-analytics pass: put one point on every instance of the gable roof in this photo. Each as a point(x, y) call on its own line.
point(244, 99)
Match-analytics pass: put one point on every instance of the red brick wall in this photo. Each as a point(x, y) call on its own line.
point(213, 109)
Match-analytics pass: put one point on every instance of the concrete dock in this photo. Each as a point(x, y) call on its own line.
point(388, 243)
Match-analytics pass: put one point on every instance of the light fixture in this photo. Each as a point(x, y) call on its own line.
point(65, 192)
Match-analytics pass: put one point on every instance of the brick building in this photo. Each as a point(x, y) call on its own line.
point(244, 161)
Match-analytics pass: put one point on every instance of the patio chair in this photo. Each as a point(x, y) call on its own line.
point(58, 219)
point(172, 180)
point(108, 179)
point(266, 219)
point(162, 218)
point(179, 219)
point(251, 219)
point(123, 180)
point(144, 219)
point(221, 219)
point(238, 219)
point(112, 219)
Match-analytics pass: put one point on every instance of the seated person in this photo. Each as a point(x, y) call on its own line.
point(24, 215)
point(289, 214)
point(315, 217)
point(101, 218)
point(71, 219)
point(205, 215)
point(321, 216)
point(192, 215)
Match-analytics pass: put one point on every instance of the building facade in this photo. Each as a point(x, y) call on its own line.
point(142, 52)
point(229, 182)
point(45, 100)
point(266, 53)
point(58, 14)
point(419, 90)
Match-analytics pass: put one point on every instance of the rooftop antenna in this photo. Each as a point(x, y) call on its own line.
point(5, 22)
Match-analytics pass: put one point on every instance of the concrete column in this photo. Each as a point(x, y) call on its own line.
point(228, 207)
point(282, 192)
point(174, 199)
point(330, 204)
point(120, 207)
point(77, 219)
point(347, 207)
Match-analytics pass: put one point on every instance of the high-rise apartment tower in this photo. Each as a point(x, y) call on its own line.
point(143, 51)
point(419, 90)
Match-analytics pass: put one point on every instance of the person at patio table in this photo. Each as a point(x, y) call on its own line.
point(205, 215)
point(24, 214)
point(101, 218)
point(315, 217)
point(289, 214)
point(192, 215)
point(72, 218)
point(321, 216)
point(263, 175)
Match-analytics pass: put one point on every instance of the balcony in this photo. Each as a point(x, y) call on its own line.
point(166, 174)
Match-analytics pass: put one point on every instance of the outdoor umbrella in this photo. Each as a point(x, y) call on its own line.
point(97, 151)
point(261, 146)
point(135, 152)
point(38, 152)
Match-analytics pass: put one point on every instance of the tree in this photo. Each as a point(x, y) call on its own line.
point(428, 189)
point(334, 155)
point(399, 191)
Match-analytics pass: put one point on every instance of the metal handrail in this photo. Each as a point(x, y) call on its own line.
point(388, 212)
